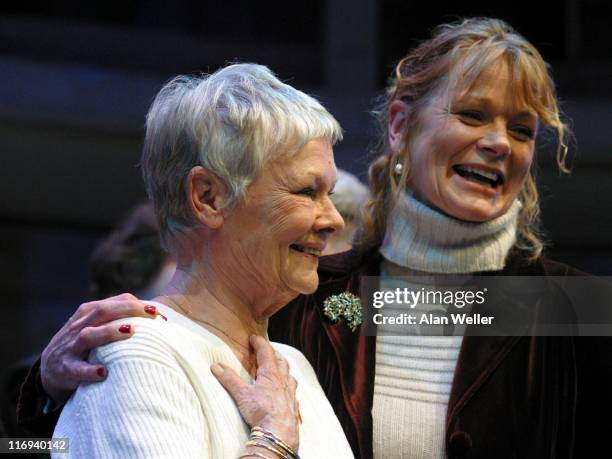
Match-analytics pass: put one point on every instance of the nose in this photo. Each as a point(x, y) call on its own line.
point(495, 141)
point(329, 219)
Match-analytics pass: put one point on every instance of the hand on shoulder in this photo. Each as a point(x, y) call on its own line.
point(64, 361)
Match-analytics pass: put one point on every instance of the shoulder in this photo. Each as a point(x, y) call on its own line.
point(518, 264)
point(149, 402)
point(556, 268)
point(154, 340)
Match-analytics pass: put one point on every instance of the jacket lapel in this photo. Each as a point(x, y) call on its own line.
point(478, 358)
point(355, 353)
point(481, 355)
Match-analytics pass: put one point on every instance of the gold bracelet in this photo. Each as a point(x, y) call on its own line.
point(258, 432)
point(275, 441)
point(268, 447)
point(261, 433)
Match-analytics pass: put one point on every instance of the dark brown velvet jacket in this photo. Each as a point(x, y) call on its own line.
point(511, 397)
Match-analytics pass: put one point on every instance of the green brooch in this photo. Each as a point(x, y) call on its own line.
point(344, 306)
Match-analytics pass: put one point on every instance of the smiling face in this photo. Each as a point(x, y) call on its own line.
point(276, 234)
point(471, 154)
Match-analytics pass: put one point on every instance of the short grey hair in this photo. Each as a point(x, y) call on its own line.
point(231, 122)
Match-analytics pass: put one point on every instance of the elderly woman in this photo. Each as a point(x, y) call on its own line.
point(239, 167)
point(453, 191)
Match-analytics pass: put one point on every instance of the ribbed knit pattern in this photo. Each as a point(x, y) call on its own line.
point(414, 373)
point(413, 378)
point(425, 239)
point(160, 399)
point(412, 387)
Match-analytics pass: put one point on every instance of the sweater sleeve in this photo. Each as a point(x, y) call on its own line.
point(146, 408)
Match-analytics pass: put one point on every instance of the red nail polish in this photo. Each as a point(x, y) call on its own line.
point(150, 310)
point(125, 328)
point(101, 372)
point(162, 316)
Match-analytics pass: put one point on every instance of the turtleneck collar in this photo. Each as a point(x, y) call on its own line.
point(424, 239)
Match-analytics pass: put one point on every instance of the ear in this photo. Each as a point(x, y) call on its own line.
point(398, 115)
point(206, 196)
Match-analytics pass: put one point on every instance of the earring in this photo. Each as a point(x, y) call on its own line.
point(398, 169)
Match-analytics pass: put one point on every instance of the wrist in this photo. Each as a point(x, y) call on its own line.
point(288, 435)
point(256, 451)
point(55, 397)
point(263, 442)
point(58, 398)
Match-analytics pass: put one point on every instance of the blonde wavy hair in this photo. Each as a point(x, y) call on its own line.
point(452, 60)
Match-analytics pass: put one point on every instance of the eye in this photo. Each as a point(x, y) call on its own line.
point(471, 116)
point(331, 193)
point(523, 132)
point(310, 192)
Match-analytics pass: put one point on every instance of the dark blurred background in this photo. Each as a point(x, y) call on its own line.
point(77, 78)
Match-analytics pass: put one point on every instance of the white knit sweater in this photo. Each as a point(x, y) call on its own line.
point(160, 399)
point(414, 374)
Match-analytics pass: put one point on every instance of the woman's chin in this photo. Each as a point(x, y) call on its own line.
point(306, 284)
point(311, 287)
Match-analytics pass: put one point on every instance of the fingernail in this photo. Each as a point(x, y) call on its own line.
point(125, 328)
point(216, 369)
point(150, 310)
point(101, 371)
point(162, 316)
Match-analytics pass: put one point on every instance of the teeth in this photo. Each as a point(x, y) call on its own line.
point(315, 252)
point(490, 175)
point(308, 250)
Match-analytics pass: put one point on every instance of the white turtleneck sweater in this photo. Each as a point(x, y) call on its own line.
point(414, 374)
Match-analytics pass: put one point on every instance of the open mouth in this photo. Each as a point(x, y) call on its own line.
point(308, 250)
point(480, 176)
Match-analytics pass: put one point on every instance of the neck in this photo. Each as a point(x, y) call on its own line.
point(201, 297)
point(223, 290)
point(232, 307)
point(219, 277)
point(424, 239)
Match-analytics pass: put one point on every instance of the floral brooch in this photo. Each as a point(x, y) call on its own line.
point(344, 306)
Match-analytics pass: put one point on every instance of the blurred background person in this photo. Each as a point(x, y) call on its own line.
point(131, 258)
point(348, 197)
